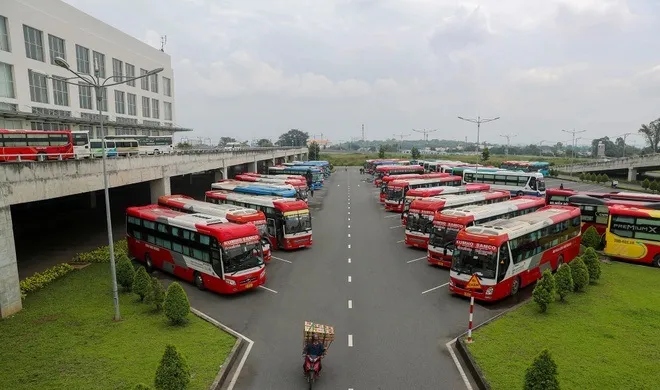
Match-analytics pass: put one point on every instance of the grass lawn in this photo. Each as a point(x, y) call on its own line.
point(605, 338)
point(65, 339)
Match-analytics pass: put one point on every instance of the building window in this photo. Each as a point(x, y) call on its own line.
point(60, 91)
point(146, 112)
point(82, 59)
point(99, 59)
point(167, 108)
point(132, 104)
point(167, 86)
point(85, 95)
point(154, 83)
point(7, 81)
point(155, 109)
point(130, 72)
point(104, 99)
point(4, 34)
point(38, 87)
point(145, 80)
point(57, 48)
point(120, 107)
point(117, 70)
point(52, 126)
point(10, 123)
point(34, 44)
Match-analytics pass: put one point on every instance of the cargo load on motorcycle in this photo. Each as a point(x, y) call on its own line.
point(326, 333)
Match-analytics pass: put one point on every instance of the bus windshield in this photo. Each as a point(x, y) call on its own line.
point(242, 257)
point(470, 261)
point(419, 223)
point(395, 194)
point(443, 236)
point(299, 223)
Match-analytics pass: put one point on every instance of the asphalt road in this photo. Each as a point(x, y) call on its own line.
point(391, 311)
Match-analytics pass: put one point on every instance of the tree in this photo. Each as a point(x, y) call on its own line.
point(580, 274)
point(544, 291)
point(142, 283)
point(610, 147)
point(293, 137)
point(184, 145)
point(592, 262)
point(264, 143)
point(591, 238)
point(485, 154)
point(582, 176)
point(173, 372)
point(646, 183)
point(653, 186)
point(176, 304)
point(156, 294)
point(605, 178)
point(313, 151)
point(225, 140)
point(381, 151)
point(542, 373)
point(651, 133)
point(564, 281)
point(125, 272)
point(414, 153)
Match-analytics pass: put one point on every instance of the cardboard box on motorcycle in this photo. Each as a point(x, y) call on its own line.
point(326, 333)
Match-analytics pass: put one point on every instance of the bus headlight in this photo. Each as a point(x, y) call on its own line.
point(230, 282)
point(262, 274)
point(489, 291)
point(451, 283)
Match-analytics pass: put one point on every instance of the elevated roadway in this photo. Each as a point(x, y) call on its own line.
point(629, 166)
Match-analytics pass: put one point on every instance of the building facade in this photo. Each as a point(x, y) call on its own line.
point(35, 95)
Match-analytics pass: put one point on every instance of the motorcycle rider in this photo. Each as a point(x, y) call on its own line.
point(314, 348)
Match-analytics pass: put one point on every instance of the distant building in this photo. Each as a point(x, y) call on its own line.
point(321, 142)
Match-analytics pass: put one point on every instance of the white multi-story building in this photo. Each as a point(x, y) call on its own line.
point(34, 96)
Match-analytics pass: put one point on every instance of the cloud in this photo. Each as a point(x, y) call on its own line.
point(548, 75)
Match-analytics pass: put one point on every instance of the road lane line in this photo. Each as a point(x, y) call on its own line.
point(349, 207)
point(397, 226)
point(277, 258)
point(349, 278)
point(349, 246)
point(349, 218)
point(350, 340)
point(457, 363)
point(350, 303)
point(400, 241)
point(349, 260)
point(349, 226)
point(349, 234)
point(435, 288)
point(349, 213)
point(268, 289)
point(414, 260)
point(391, 216)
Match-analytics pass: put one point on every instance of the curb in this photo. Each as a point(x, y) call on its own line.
point(236, 350)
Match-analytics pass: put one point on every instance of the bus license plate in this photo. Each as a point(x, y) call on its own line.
point(467, 294)
point(249, 285)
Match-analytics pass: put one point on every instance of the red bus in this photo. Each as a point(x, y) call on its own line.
point(299, 184)
point(370, 165)
point(395, 170)
point(633, 234)
point(507, 254)
point(397, 189)
point(422, 193)
point(412, 176)
point(560, 196)
point(419, 222)
point(16, 145)
point(288, 221)
point(447, 223)
point(278, 177)
point(211, 252)
point(234, 214)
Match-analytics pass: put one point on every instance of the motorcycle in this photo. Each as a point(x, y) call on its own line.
point(312, 369)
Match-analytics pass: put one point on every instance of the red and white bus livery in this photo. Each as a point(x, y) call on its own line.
point(397, 189)
point(419, 222)
point(422, 193)
point(447, 223)
point(211, 252)
point(507, 254)
point(234, 214)
point(408, 176)
point(288, 221)
point(395, 170)
point(299, 184)
point(35, 145)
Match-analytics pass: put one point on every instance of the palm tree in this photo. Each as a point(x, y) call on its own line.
point(652, 134)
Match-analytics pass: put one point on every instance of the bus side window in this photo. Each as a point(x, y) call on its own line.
point(271, 228)
point(532, 183)
point(504, 261)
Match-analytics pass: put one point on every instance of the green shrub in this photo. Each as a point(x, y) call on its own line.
point(564, 281)
point(125, 272)
point(592, 261)
point(142, 386)
point(102, 254)
point(142, 283)
point(645, 183)
point(654, 186)
point(582, 176)
point(605, 178)
point(176, 304)
point(544, 291)
point(542, 373)
point(591, 238)
point(41, 279)
point(173, 372)
point(580, 274)
point(157, 294)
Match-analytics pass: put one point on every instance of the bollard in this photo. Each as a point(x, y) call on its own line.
point(469, 338)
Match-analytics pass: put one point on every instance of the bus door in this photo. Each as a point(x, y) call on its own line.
point(504, 262)
point(271, 231)
point(216, 258)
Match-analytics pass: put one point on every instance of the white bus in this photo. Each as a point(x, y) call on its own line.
point(233, 146)
point(81, 146)
point(149, 144)
point(518, 183)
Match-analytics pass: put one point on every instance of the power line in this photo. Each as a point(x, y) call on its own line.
point(508, 141)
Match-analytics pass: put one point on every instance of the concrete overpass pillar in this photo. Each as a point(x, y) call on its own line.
point(252, 167)
point(632, 174)
point(219, 174)
point(159, 188)
point(10, 291)
point(92, 200)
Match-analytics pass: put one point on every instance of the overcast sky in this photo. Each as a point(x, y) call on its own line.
point(255, 68)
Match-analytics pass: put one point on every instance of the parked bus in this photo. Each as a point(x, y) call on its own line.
point(234, 214)
point(448, 222)
point(211, 252)
point(288, 221)
point(527, 166)
point(283, 190)
point(96, 150)
point(233, 146)
point(299, 184)
point(423, 193)
point(125, 146)
point(35, 145)
point(560, 196)
point(519, 183)
point(370, 165)
point(460, 170)
point(149, 145)
point(419, 221)
point(324, 166)
point(409, 176)
point(397, 189)
point(507, 254)
point(278, 177)
point(317, 175)
point(81, 146)
point(634, 234)
point(394, 170)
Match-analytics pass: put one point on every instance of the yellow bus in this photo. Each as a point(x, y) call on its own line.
point(633, 234)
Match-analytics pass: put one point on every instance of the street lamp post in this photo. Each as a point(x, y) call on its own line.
point(573, 148)
point(478, 121)
point(99, 87)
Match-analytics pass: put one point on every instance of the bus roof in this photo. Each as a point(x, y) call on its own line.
point(411, 182)
point(282, 180)
point(434, 203)
point(277, 202)
point(230, 212)
point(470, 213)
point(635, 211)
point(383, 168)
point(503, 172)
point(284, 190)
point(442, 190)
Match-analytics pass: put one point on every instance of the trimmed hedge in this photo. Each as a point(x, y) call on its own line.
point(41, 279)
point(173, 372)
point(176, 304)
point(142, 283)
point(102, 254)
point(125, 272)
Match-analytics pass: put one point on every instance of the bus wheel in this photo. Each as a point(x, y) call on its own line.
point(520, 193)
point(199, 282)
point(656, 261)
point(149, 265)
point(515, 286)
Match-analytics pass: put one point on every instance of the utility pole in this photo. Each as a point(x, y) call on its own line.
point(426, 134)
point(540, 149)
point(573, 132)
point(401, 139)
point(624, 136)
point(363, 132)
point(478, 121)
point(508, 141)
